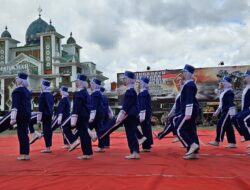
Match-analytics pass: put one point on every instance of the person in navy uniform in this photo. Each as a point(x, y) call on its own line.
point(186, 123)
point(227, 111)
point(129, 115)
point(80, 115)
point(97, 113)
point(243, 117)
point(45, 113)
point(145, 108)
point(172, 117)
point(107, 117)
point(63, 112)
point(21, 113)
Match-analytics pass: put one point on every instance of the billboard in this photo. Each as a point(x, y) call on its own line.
point(164, 83)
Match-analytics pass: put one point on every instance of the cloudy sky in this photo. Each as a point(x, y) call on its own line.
point(123, 35)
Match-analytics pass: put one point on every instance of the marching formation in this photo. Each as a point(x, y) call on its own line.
point(92, 119)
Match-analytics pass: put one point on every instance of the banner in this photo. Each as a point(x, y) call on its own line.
point(164, 84)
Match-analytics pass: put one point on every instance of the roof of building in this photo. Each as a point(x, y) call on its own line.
point(36, 27)
point(71, 40)
point(6, 33)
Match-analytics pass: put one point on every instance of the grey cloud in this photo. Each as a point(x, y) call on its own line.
point(187, 14)
point(132, 34)
point(107, 24)
point(108, 17)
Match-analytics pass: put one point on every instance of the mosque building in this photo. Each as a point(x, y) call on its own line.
point(42, 57)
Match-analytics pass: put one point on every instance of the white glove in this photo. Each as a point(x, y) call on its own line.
point(188, 110)
point(232, 112)
point(12, 122)
point(187, 117)
point(13, 115)
point(59, 119)
point(121, 116)
point(172, 111)
point(92, 116)
point(142, 115)
point(216, 113)
point(111, 115)
point(73, 120)
point(39, 117)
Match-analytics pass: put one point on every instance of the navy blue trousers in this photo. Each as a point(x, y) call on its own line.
point(139, 134)
point(224, 125)
point(130, 124)
point(86, 144)
point(68, 136)
point(33, 121)
point(31, 128)
point(170, 127)
point(147, 132)
point(47, 130)
point(243, 119)
point(109, 129)
point(187, 131)
point(236, 124)
point(23, 138)
point(98, 125)
point(106, 123)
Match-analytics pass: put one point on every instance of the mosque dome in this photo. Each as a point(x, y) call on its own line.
point(6, 33)
point(50, 27)
point(71, 40)
point(36, 27)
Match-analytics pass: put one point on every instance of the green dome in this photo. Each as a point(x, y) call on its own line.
point(50, 28)
point(36, 27)
point(6, 33)
point(71, 40)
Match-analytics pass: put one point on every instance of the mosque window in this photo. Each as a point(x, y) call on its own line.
point(2, 52)
point(65, 70)
point(57, 46)
point(47, 55)
point(77, 53)
point(66, 81)
point(33, 53)
point(79, 70)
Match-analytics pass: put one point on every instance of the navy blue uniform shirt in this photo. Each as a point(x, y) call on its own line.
point(21, 100)
point(81, 104)
point(46, 103)
point(97, 102)
point(188, 97)
point(144, 100)
point(227, 100)
point(64, 107)
point(130, 103)
point(105, 104)
point(246, 98)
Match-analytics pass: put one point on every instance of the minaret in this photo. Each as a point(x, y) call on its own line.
point(50, 48)
point(72, 48)
point(6, 42)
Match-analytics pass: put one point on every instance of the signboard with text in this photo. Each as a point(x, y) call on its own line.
point(164, 83)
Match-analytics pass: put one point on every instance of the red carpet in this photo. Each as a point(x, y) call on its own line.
point(164, 168)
